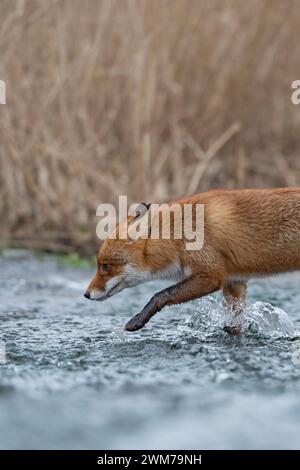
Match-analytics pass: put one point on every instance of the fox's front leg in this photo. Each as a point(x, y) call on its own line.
point(235, 298)
point(189, 289)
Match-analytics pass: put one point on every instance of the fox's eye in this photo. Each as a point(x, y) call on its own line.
point(105, 267)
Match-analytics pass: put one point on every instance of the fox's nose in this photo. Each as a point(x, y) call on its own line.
point(87, 294)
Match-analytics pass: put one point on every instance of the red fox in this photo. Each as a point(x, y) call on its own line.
point(247, 233)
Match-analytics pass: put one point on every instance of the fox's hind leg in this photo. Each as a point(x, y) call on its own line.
point(235, 297)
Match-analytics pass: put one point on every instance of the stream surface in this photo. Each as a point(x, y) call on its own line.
point(71, 378)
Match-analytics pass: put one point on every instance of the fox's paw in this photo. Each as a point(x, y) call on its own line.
point(135, 324)
point(234, 330)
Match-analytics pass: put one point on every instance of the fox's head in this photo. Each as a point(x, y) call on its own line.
point(124, 263)
point(121, 263)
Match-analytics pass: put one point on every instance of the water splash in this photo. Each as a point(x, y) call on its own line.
point(261, 319)
point(209, 316)
point(118, 335)
point(264, 319)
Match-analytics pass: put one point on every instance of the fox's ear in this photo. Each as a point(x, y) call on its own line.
point(138, 222)
point(146, 205)
point(139, 211)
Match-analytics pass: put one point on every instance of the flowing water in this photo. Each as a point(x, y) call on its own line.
point(72, 378)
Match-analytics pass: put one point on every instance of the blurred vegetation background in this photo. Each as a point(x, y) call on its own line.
point(150, 98)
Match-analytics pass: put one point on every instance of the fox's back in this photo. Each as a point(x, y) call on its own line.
point(257, 231)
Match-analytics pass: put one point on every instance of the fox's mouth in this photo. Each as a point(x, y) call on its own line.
point(99, 296)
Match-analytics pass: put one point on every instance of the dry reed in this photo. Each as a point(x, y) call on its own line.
point(149, 98)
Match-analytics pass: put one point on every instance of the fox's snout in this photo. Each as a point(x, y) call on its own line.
point(104, 286)
point(96, 294)
point(96, 291)
point(96, 288)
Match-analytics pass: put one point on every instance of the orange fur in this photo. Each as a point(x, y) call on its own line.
point(247, 233)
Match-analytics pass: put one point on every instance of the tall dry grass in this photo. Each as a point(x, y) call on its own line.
point(150, 98)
